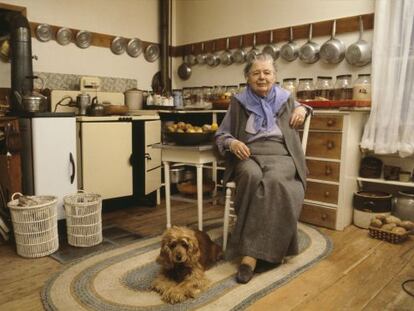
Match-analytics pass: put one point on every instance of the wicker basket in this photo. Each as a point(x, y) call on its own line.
point(35, 226)
point(83, 219)
point(388, 236)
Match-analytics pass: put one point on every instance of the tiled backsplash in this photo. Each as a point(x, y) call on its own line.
point(61, 81)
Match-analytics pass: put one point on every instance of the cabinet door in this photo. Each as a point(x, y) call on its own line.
point(54, 158)
point(106, 153)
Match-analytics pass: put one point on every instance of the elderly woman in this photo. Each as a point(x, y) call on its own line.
point(264, 157)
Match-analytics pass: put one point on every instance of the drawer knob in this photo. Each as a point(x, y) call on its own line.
point(328, 170)
point(330, 122)
point(327, 194)
point(330, 144)
point(324, 216)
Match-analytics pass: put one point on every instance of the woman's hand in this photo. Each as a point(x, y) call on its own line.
point(239, 149)
point(298, 117)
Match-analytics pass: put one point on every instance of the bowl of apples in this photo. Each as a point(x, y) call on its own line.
point(187, 134)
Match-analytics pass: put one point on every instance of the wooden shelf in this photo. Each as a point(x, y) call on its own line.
point(387, 182)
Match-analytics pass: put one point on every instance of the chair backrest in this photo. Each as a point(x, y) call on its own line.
point(305, 133)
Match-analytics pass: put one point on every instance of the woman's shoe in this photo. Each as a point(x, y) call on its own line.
point(264, 266)
point(244, 274)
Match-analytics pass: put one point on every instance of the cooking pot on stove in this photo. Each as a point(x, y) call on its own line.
point(96, 109)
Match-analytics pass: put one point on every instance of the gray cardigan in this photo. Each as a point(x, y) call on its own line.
point(293, 144)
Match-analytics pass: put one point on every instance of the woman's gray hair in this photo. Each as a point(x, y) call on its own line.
point(261, 57)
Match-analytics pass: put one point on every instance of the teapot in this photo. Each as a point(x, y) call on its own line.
point(32, 101)
point(96, 109)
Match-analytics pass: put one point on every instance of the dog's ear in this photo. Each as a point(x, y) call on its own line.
point(194, 251)
point(164, 258)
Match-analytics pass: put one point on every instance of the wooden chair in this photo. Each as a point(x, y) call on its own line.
point(229, 212)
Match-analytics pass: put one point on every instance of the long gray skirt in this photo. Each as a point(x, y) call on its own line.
point(268, 200)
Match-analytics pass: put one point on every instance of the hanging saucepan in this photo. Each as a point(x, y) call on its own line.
point(309, 52)
point(152, 52)
point(359, 53)
point(333, 50)
point(290, 50)
point(191, 59)
point(226, 58)
point(212, 58)
point(83, 39)
point(118, 45)
point(272, 49)
point(253, 52)
point(44, 32)
point(64, 36)
point(201, 58)
point(239, 56)
point(134, 47)
point(184, 70)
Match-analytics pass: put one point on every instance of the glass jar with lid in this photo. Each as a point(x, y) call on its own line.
point(324, 88)
point(242, 87)
point(305, 90)
point(362, 87)
point(343, 87)
point(232, 89)
point(207, 94)
point(290, 85)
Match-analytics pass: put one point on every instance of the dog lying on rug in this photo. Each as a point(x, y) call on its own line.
point(184, 256)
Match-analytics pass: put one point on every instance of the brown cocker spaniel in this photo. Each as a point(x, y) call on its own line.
point(185, 255)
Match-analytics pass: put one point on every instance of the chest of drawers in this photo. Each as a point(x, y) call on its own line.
point(332, 157)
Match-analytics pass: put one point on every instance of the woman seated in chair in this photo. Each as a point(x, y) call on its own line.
point(264, 156)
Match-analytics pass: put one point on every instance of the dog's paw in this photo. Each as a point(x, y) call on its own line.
point(174, 295)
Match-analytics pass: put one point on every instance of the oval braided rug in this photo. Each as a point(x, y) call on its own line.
point(119, 279)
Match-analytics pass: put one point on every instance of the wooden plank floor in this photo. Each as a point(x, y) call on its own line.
point(360, 274)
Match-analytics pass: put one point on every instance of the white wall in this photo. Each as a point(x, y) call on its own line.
point(201, 20)
point(128, 18)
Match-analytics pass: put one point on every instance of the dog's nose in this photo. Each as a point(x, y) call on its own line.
point(178, 257)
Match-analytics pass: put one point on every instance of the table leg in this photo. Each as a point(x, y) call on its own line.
point(214, 177)
point(200, 195)
point(167, 192)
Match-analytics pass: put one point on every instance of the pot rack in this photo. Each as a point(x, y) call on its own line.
point(322, 28)
point(98, 39)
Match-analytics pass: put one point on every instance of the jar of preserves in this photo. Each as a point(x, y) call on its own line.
point(290, 85)
point(362, 87)
point(324, 88)
point(306, 90)
point(343, 87)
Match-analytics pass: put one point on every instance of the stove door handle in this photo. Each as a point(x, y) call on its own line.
point(72, 162)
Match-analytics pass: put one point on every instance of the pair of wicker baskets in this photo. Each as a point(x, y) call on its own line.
point(35, 227)
point(388, 236)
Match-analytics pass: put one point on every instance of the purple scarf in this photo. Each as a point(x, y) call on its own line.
point(263, 108)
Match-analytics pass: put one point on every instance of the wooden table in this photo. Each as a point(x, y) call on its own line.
point(192, 155)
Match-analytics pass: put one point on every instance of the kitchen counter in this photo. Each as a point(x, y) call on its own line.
point(116, 118)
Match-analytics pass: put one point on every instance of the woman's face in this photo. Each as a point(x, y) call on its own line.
point(261, 77)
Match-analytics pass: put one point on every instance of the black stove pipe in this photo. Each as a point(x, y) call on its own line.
point(21, 60)
point(165, 7)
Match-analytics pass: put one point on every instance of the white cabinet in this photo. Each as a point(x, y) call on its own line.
point(333, 158)
point(117, 158)
point(49, 157)
point(106, 149)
